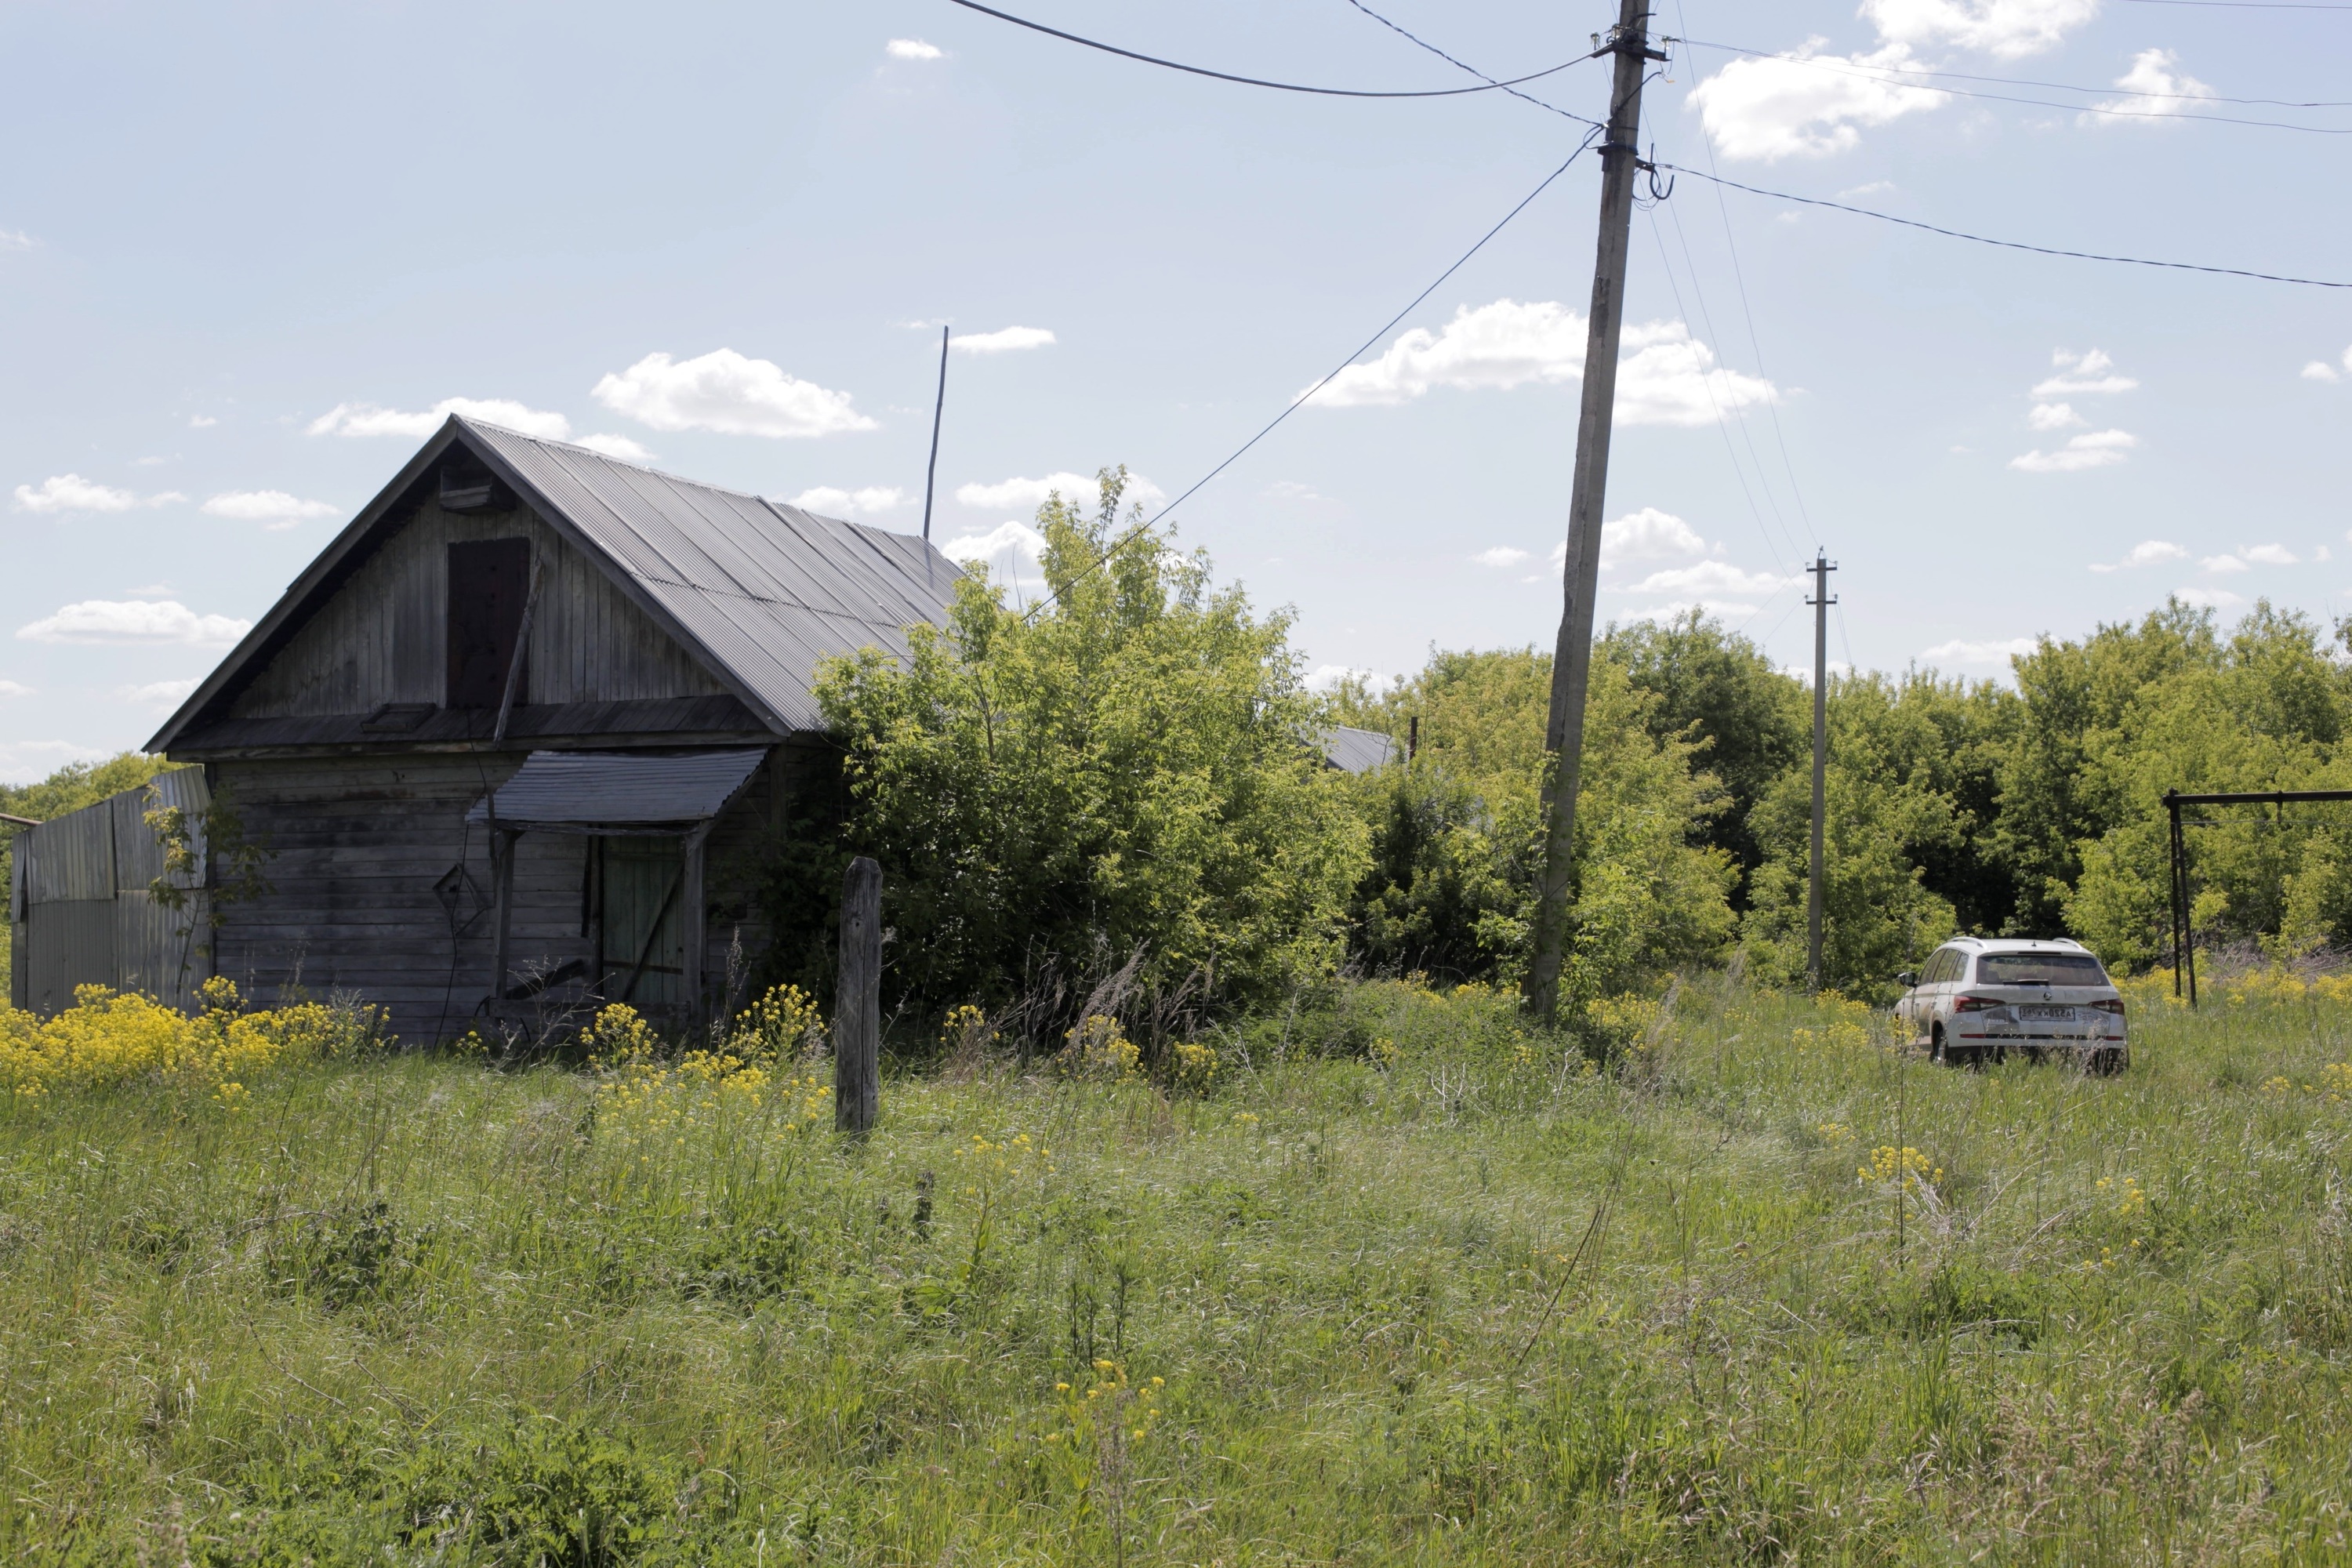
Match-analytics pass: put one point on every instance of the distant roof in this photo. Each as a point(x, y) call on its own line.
point(1354, 751)
point(759, 590)
point(599, 791)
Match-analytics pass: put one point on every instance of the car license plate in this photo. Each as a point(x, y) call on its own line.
point(2047, 1015)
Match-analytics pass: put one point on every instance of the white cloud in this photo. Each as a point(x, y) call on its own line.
point(1082, 490)
point(369, 420)
point(201, 421)
point(134, 621)
point(1666, 378)
point(912, 49)
point(620, 448)
point(2270, 556)
point(1002, 340)
point(2209, 599)
point(725, 391)
point(2081, 375)
point(2147, 552)
point(1720, 608)
point(2053, 415)
point(2320, 369)
point(272, 509)
point(71, 492)
point(157, 693)
point(1327, 675)
point(2153, 86)
point(11, 688)
point(14, 239)
point(1648, 534)
point(2098, 449)
point(1709, 577)
point(23, 762)
point(1805, 105)
point(834, 502)
point(152, 591)
point(1011, 551)
point(1959, 652)
point(1501, 555)
point(2007, 28)
point(2220, 565)
point(1291, 489)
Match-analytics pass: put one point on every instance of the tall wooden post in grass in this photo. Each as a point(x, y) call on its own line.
point(857, 1005)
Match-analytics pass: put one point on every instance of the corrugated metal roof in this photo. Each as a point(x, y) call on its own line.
point(618, 792)
point(1355, 750)
point(761, 591)
point(766, 590)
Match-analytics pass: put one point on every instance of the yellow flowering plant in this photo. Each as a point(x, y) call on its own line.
point(108, 1038)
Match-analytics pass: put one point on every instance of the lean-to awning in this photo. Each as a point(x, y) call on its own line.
point(615, 792)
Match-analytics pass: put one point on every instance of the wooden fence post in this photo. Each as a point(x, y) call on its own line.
point(858, 1006)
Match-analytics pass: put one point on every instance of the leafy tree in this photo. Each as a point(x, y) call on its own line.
point(1457, 838)
point(1747, 722)
point(1128, 772)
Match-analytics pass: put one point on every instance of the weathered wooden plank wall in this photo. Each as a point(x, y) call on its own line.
point(384, 636)
point(357, 845)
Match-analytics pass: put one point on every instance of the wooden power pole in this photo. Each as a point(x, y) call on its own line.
point(1571, 665)
point(1820, 601)
point(939, 411)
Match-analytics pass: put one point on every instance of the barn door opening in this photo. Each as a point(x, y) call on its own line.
point(644, 946)
point(489, 581)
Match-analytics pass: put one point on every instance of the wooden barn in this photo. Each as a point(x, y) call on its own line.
point(517, 738)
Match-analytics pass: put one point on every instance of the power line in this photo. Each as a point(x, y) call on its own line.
point(2042, 102)
point(2007, 244)
point(1251, 80)
point(1304, 397)
point(2015, 81)
point(1473, 70)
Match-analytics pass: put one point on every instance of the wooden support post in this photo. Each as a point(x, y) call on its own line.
point(502, 851)
point(693, 917)
point(858, 1006)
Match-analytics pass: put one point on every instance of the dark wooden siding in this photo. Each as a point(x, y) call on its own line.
point(357, 843)
point(384, 636)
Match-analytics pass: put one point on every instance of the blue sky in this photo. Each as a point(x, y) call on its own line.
point(247, 251)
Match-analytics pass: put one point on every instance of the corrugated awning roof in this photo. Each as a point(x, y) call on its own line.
point(609, 792)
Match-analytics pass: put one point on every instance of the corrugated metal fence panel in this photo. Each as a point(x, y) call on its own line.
point(159, 950)
point(70, 857)
point(68, 942)
point(16, 950)
point(139, 849)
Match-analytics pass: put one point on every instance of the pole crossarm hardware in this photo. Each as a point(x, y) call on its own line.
point(2184, 938)
point(1571, 664)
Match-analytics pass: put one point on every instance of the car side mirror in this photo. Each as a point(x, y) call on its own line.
point(1907, 980)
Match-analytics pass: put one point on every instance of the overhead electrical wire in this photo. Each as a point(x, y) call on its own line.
point(1473, 70)
point(1877, 75)
point(1252, 80)
point(1304, 397)
point(2008, 244)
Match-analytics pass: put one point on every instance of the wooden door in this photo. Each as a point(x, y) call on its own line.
point(644, 948)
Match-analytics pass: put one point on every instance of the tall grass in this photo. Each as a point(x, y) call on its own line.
point(1407, 1283)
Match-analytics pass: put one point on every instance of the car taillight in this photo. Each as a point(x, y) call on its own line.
point(1972, 1003)
point(2112, 1005)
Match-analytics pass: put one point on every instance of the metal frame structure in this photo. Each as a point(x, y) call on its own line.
point(2184, 942)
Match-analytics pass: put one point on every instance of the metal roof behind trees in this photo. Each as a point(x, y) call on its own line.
point(761, 591)
point(1354, 751)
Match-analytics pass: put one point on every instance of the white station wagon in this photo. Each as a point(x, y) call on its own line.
point(1980, 998)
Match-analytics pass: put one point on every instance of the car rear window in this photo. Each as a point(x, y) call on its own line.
point(2039, 968)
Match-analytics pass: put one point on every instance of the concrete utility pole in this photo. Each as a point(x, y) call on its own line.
point(1571, 665)
point(1821, 602)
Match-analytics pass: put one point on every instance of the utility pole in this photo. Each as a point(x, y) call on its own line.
point(1821, 602)
point(1571, 664)
point(931, 474)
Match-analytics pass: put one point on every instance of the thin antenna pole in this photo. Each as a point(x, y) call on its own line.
point(1572, 667)
point(931, 474)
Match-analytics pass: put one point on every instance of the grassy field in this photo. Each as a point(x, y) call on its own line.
point(1404, 1285)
